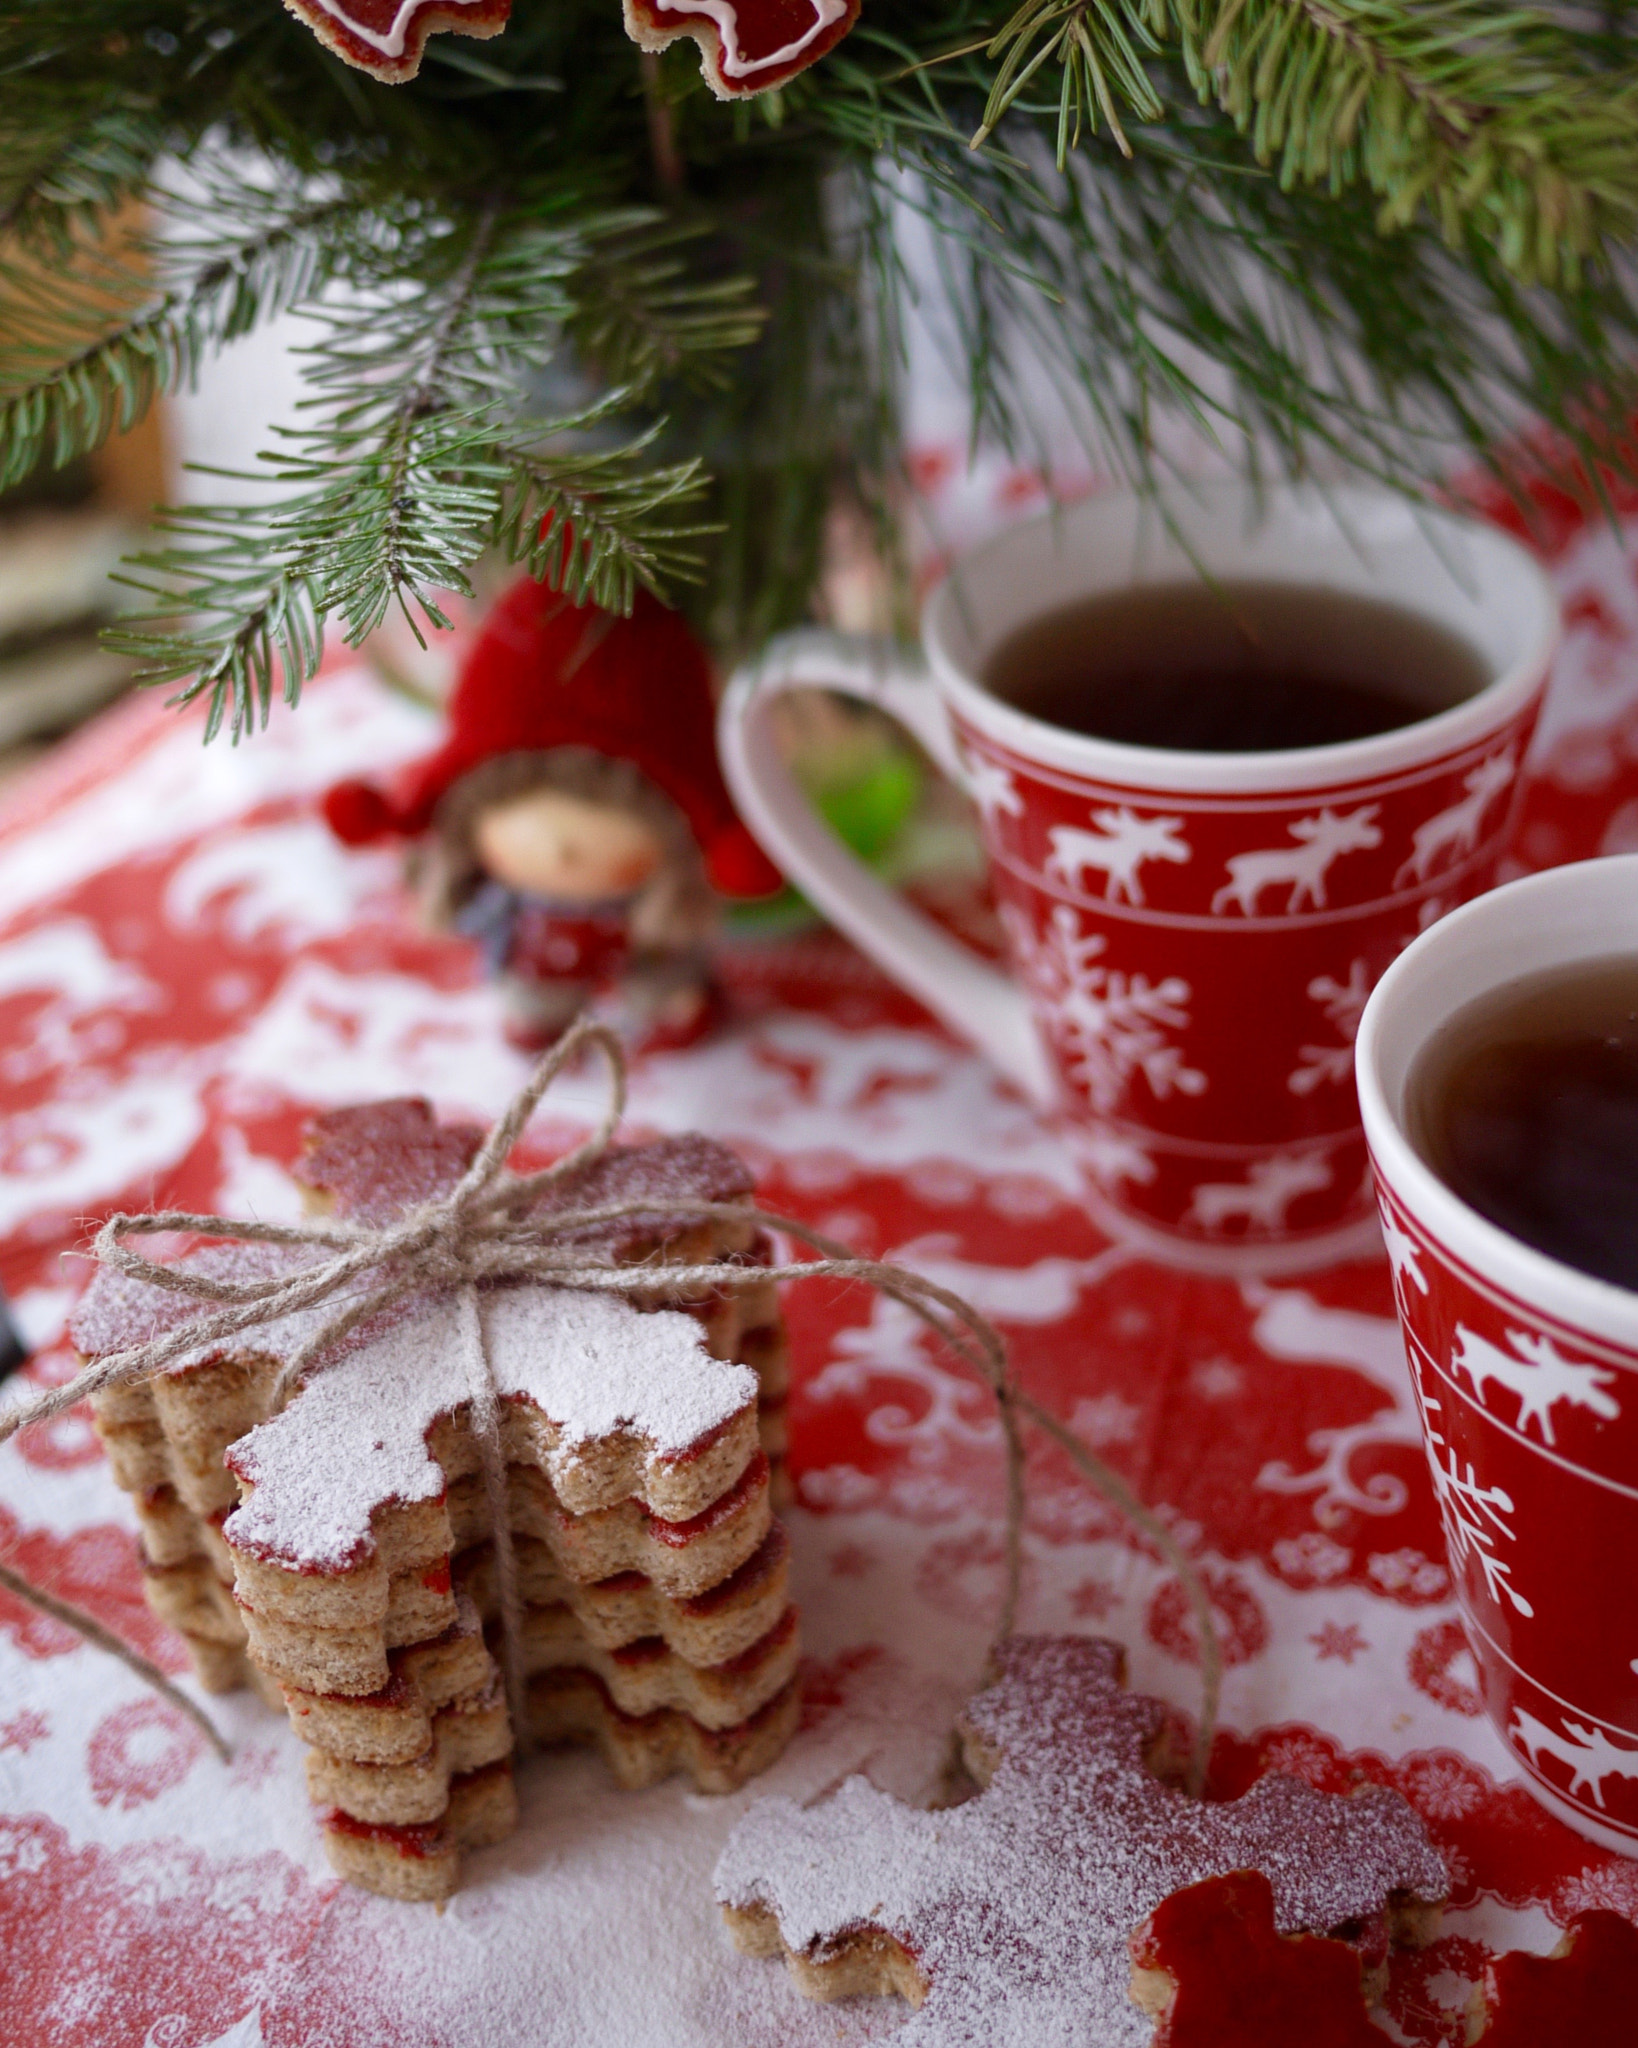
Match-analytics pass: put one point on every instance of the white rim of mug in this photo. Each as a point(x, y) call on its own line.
point(1293, 770)
point(1540, 1283)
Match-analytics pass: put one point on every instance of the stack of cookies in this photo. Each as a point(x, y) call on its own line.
point(338, 1554)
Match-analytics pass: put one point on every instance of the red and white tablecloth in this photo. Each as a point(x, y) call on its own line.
point(189, 965)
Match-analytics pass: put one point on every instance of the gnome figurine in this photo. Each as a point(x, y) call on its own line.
point(574, 821)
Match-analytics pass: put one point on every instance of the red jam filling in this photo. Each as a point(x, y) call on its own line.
point(1240, 1984)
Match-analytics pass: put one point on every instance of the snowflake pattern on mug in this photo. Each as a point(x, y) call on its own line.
point(1110, 1026)
point(1474, 1514)
point(1343, 1004)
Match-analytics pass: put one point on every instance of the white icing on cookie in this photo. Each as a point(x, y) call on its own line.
point(724, 17)
point(390, 41)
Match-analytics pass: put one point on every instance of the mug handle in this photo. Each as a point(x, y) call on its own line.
point(975, 1000)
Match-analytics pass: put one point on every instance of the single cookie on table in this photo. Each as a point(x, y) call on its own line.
point(1005, 1920)
point(339, 1554)
point(1583, 1995)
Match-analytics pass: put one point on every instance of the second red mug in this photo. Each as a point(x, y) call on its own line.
point(1192, 936)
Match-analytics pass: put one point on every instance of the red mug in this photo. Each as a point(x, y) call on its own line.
point(1526, 1375)
point(1192, 936)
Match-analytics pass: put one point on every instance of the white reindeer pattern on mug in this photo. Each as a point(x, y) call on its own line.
point(1263, 1197)
point(1587, 1753)
point(993, 790)
point(1449, 835)
point(1321, 840)
point(1537, 1374)
point(1117, 849)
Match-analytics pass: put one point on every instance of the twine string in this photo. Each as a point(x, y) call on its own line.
point(489, 1228)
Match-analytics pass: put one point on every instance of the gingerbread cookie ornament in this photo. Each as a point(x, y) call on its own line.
point(746, 46)
point(386, 37)
point(1005, 1920)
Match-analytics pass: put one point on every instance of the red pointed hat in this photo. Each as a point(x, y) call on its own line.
point(547, 673)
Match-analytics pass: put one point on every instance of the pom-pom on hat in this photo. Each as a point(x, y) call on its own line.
point(547, 673)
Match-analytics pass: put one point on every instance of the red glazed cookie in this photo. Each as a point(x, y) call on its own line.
point(1583, 1995)
point(386, 37)
point(1005, 1920)
point(1215, 1972)
point(746, 46)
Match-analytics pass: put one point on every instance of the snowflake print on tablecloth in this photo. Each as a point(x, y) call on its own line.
point(1110, 1026)
point(24, 1730)
point(1343, 1004)
point(1342, 1640)
point(1474, 1516)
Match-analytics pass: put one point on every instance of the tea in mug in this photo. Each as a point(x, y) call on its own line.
point(1233, 667)
point(1526, 1106)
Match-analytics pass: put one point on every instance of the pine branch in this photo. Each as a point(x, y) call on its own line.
point(641, 320)
point(63, 177)
point(596, 525)
point(1178, 212)
point(84, 350)
point(423, 452)
point(1474, 111)
point(228, 619)
point(1181, 285)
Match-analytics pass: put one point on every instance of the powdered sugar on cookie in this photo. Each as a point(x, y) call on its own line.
point(355, 1436)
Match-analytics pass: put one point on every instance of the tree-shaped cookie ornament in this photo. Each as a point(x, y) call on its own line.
point(1583, 1995)
point(1216, 1972)
point(1005, 1920)
point(746, 46)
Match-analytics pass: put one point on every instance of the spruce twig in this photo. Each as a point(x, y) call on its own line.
point(1371, 234)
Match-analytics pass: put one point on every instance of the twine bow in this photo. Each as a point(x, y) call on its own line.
point(491, 1228)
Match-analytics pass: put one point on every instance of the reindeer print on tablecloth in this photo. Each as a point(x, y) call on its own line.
point(1119, 847)
point(1300, 869)
point(1451, 835)
point(1537, 1374)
